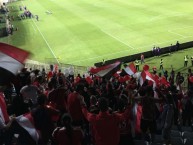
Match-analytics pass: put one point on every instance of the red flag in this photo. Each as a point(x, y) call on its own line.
point(11, 61)
point(3, 108)
point(89, 80)
point(121, 79)
point(127, 78)
point(137, 112)
point(116, 75)
point(142, 78)
point(146, 67)
point(26, 121)
point(138, 119)
point(130, 69)
point(146, 75)
point(107, 70)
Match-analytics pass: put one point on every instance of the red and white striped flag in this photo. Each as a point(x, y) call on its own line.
point(11, 61)
point(130, 69)
point(107, 70)
point(146, 75)
point(3, 109)
point(26, 121)
point(136, 122)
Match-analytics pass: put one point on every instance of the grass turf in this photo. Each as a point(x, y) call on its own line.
point(84, 32)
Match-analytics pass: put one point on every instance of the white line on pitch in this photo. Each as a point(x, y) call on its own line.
point(46, 42)
point(34, 27)
point(176, 33)
point(44, 39)
point(110, 34)
point(99, 56)
point(127, 50)
point(181, 28)
point(116, 38)
point(159, 17)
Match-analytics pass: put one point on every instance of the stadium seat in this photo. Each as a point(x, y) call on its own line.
point(185, 128)
point(140, 142)
point(158, 139)
point(156, 144)
point(188, 135)
point(188, 142)
point(175, 127)
point(177, 141)
point(176, 133)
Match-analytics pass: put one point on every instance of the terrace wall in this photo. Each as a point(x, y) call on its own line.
point(147, 54)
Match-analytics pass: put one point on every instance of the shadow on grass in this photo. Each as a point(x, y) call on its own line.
point(183, 69)
point(165, 55)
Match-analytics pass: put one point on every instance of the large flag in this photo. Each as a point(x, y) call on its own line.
point(146, 75)
point(130, 69)
point(107, 70)
point(26, 122)
point(11, 61)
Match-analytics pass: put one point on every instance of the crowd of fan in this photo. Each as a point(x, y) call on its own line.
point(75, 110)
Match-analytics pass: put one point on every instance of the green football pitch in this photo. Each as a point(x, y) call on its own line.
point(83, 32)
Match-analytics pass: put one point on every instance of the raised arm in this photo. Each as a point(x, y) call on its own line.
point(89, 116)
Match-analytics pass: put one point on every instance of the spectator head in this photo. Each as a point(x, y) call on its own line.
point(79, 88)
point(122, 102)
point(50, 85)
point(66, 120)
point(93, 100)
point(61, 81)
point(103, 104)
point(24, 69)
point(173, 89)
point(39, 78)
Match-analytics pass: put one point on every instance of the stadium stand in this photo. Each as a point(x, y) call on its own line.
point(115, 110)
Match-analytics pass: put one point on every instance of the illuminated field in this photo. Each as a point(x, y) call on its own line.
point(83, 32)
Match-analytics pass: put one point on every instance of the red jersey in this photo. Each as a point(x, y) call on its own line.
point(62, 137)
point(59, 97)
point(125, 126)
point(74, 107)
point(106, 126)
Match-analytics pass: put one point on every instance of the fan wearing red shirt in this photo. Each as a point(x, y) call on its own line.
point(124, 126)
point(59, 95)
point(105, 125)
point(74, 106)
point(67, 135)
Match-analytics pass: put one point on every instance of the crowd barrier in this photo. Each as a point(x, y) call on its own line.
point(147, 54)
point(63, 67)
